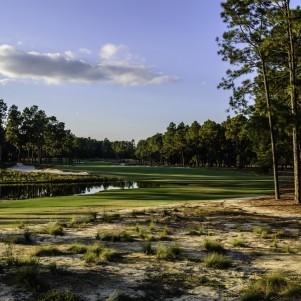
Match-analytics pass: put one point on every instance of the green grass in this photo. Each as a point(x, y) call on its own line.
point(177, 185)
point(217, 261)
point(273, 285)
point(214, 246)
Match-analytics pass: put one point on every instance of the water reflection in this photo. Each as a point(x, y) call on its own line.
point(17, 192)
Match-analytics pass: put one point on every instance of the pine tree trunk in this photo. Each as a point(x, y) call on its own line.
point(294, 105)
point(272, 133)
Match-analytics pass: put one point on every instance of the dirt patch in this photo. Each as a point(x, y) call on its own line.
point(258, 236)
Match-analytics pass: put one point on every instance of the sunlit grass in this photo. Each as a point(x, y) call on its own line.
point(177, 185)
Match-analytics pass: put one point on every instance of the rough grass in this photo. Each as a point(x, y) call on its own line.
point(217, 261)
point(272, 285)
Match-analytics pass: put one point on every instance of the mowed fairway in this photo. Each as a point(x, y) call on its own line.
point(176, 185)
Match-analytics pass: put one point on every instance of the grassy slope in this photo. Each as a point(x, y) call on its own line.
point(177, 185)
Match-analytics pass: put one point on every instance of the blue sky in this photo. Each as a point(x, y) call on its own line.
point(121, 69)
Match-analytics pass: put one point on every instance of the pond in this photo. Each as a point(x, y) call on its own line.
point(17, 192)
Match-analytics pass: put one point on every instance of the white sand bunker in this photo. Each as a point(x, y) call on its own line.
point(29, 168)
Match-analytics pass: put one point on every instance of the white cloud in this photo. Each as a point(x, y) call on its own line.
point(114, 52)
point(4, 81)
point(85, 51)
point(69, 54)
point(55, 68)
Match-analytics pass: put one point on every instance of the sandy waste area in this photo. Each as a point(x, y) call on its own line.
point(136, 274)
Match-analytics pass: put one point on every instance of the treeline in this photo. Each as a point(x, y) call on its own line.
point(34, 137)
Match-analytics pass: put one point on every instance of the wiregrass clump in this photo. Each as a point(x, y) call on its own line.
point(272, 285)
point(97, 254)
point(217, 261)
point(147, 249)
point(171, 252)
point(28, 273)
point(214, 246)
point(77, 249)
point(54, 229)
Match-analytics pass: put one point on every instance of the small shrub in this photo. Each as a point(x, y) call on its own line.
point(214, 246)
point(217, 261)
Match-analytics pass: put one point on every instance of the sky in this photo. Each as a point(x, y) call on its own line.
point(116, 69)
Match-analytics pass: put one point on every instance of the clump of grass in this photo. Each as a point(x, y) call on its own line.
point(167, 230)
point(20, 225)
point(214, 246)
point(9, 256)
point(134, 213)
point(98, 254)
point(239, 243)
point(77, 249)
point(108, 218)
point(29, 272)
point(197, 231)
point(90, 217)
point(122, 236)
point(53, 268)
point(54, 229)
point(147, 249)
point(264, 232)
point(27, 236)
point(48, 251)
point(55, 295)
point(152, 225)
point(217, 261)
point(279, 234)
point(163, 237)
point(239, 228)
point(272, 285)
point(171, 252)
point(108, 255)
